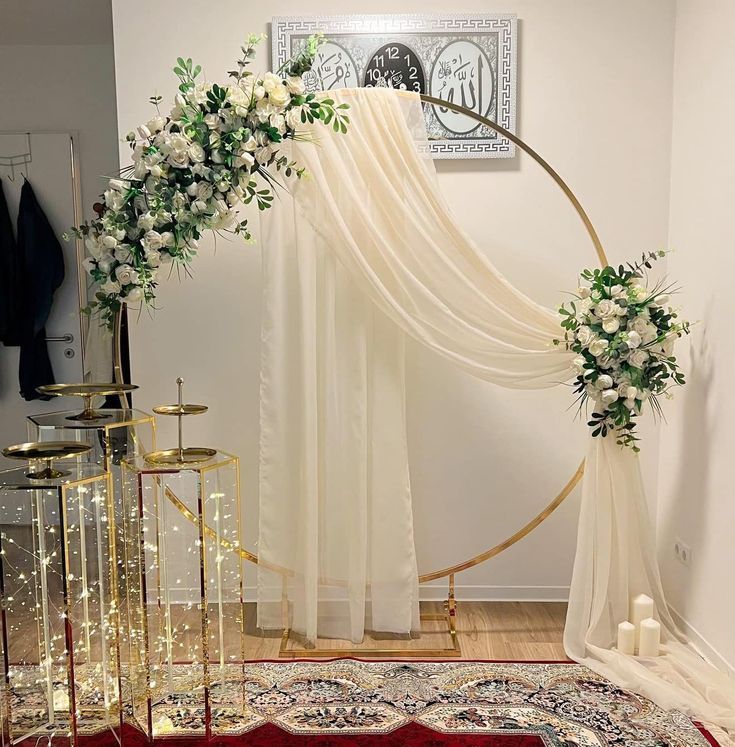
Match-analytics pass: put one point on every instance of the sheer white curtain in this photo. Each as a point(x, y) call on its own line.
point(371, 221)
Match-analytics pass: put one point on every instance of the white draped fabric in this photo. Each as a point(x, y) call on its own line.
point(367, 250)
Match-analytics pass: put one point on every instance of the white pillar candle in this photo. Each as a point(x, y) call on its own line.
point(641, 608)
point(650, 637)
point(626, 638)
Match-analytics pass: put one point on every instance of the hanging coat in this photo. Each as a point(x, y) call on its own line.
point(42, 272)
point(10, 329)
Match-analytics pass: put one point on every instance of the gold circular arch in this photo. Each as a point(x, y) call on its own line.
point(573, 480)
point(602, 258)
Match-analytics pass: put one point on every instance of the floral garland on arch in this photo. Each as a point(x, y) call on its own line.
point(623, 333)
point(217, 148)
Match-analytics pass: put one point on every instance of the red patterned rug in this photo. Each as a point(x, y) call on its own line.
point(351, 703)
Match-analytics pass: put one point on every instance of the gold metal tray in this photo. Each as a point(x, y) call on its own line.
point(46, 451)
point(86, 391)
point(180, 457)
point(180, 410)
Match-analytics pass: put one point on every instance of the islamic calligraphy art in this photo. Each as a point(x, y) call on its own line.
point(463, 75)
point(467, 60)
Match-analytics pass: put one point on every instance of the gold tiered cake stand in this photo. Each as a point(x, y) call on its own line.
point(47, 452)
point(86, 392)
point(181, 455)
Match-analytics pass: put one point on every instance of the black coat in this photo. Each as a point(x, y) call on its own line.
point(42, 272)
point(10, 316)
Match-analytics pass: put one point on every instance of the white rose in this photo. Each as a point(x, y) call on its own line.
point(295, 85)
point(244, 160)
point(606, 309)
point(110, 288)
point(663, 299)
point(119, 234)
point(633, 339)
point(293, 117)
point(604, 382)
point(168, 238)
point(133, 295)
point(146, 221)
point(584, 335)
point(258, 93)
point(249, 145)
point(153, 257)
point(617, 290)
point(152, 240)
point(156, 124)
point(583, 292)
point(126, 275)
point(279, 96)
point(93, 247)
point(144, 132)
point(578, 364)
point(598, 347)
point(179, 160)
point(105, 263)
point(630, 392)
point(279, 122)
point(264, 109)
point(638, 358)
point(611, 325)
point(196, 152)
point(609, 396)
point(119, 185)
point(217, 156)
point(198, 206)
point(178, 143)
point(123, 254)
point(204, 190)
point(113, 199)
point(263, 155)
point(271, 81)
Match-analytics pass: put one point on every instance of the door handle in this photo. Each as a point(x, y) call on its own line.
point(68, 337)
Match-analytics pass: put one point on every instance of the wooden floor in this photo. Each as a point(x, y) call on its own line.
point(519, 631)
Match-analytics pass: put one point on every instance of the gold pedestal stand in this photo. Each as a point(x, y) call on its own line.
point(46, 452)
point(180, 455)
point(86, 392)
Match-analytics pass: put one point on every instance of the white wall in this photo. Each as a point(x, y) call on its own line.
point(595, 99)
point(696, 499)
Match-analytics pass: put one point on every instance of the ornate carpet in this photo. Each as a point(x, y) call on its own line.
point(348, 702)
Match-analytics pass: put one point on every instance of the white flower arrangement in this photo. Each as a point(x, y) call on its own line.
point(217, 148)
point(623, 334)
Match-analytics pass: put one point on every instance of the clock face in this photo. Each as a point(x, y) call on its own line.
point(395, 65)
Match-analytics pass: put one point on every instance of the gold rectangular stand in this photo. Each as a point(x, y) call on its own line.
point(449, 615)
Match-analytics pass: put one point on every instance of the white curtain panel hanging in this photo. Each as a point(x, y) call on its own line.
point(364, 252)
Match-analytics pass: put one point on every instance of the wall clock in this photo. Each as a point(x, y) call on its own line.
point(467, 59)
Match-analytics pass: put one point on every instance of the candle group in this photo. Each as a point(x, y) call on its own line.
point(642, 636)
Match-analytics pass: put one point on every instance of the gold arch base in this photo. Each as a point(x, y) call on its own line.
point(450, 571)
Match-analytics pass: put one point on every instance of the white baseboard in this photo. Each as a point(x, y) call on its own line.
point(468, 593)
point(703, 646)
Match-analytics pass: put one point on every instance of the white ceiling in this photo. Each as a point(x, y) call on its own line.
point(55, 22)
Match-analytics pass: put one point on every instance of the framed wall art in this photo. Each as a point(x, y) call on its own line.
point(467, 59)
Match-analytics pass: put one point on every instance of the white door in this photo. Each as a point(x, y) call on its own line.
point(51, 176)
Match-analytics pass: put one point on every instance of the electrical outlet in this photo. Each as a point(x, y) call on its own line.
point(683, 552)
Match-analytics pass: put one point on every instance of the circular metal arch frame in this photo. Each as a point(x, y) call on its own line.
point(573, 480)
